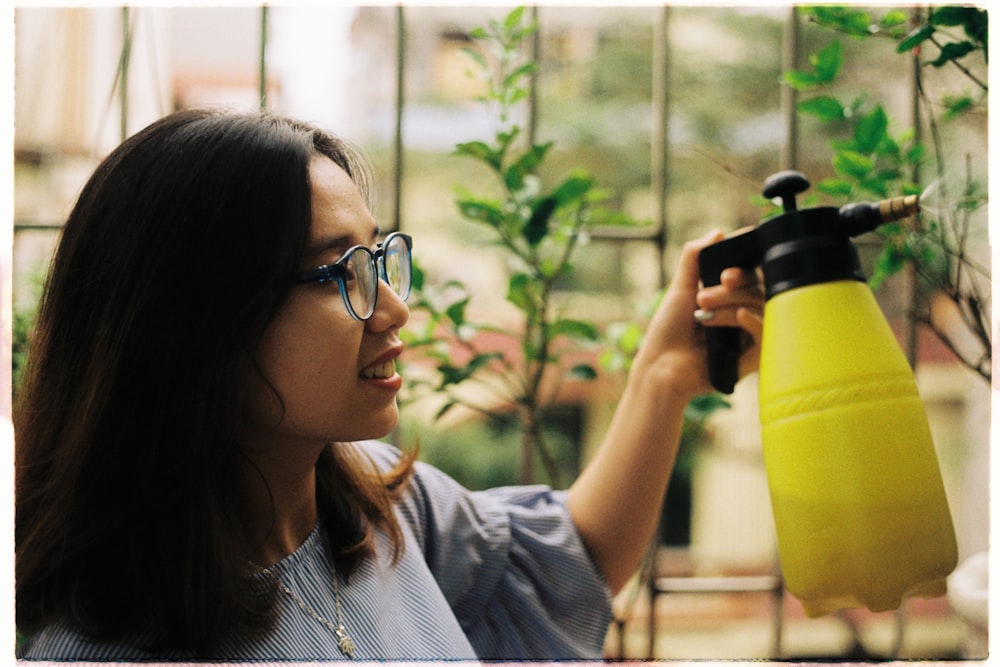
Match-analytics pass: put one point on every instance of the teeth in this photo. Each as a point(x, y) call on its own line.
point(388, 369)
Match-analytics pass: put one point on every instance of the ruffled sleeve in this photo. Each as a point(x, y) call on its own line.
point(511, 564)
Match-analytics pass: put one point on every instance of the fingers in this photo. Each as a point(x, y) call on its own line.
point(736, 278)
point(740, 289)
point(751, 321)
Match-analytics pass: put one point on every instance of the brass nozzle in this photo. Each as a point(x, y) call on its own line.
point(897, 208)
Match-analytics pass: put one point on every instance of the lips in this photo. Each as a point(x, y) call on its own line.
point(381, 372)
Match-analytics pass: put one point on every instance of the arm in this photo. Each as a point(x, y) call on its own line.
point(616, 501)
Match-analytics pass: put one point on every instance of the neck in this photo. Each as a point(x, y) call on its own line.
point(281, 500)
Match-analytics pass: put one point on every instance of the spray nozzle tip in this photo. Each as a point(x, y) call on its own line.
point(865, 217)
point(898, 208)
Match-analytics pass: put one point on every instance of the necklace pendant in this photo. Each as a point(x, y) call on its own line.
point(345, 643)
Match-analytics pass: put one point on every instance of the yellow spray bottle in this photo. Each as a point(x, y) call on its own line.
point(859, 505)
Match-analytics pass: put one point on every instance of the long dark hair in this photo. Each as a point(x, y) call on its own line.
point(170, 266)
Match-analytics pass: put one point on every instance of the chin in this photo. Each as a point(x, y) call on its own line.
point(383, 425)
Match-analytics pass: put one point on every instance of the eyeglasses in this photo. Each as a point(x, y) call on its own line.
point(357, 274)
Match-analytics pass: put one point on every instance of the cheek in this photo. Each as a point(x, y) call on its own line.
point(311, 362)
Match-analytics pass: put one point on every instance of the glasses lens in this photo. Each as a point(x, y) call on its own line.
point(396, 261)
point(361, 281)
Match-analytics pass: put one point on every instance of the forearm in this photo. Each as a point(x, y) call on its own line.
point(616, 501)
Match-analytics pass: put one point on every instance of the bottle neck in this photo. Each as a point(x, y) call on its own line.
point(805, 248)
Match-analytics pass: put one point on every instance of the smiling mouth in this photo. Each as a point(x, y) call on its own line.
point(379, 371)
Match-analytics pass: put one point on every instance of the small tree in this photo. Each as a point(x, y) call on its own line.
point(537, 229)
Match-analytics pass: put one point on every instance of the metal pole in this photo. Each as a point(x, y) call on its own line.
point(262, 72)
point(910, 291)
point(123, 64)
point(789, 96)
point(660, 134)
point(397, 142)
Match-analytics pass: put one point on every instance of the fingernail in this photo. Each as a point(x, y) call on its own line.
point(704, 315)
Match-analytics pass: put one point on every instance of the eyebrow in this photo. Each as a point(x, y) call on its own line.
point(341, 243)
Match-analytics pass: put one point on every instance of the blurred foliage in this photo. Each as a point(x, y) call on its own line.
point(870, 161)
point(485, 453)
point(623, 341)
point(23, 315)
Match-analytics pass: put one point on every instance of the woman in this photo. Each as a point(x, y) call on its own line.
point(196, 475)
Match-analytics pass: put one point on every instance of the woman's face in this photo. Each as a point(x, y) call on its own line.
point(336, 376)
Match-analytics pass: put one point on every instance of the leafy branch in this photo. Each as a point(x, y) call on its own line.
point(868, 160)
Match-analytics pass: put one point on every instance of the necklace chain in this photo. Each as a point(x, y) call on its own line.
point(344, 641)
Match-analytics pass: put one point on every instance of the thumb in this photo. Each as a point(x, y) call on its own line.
point(688, 276)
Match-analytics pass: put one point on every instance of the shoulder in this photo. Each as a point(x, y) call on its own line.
point(62, 642)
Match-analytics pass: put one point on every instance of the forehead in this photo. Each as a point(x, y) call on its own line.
point(340, 216)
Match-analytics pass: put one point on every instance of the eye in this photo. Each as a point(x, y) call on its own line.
point(347, 272)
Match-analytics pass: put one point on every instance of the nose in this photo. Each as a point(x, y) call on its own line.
point(391, 312)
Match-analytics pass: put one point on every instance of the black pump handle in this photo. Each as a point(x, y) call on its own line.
point(723, 343)
point(742, 250)
point(785, 184)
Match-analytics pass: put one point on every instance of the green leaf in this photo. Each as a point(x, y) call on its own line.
point(915, 38)
point(527, 69)
point(843, 19)
point(827, 62)
point(537, 226)
point(702, 406)
point(476, 56)
point(953, 51)
point(520, 291)
point(600, 216)
point(417, 277)
point(631, 338)
point(835, 186)
point(455, 374)
point(876, 186)
point(575, 329)
point(889, 263)
point(977, 25)
point(871, 130)
point(850, 163)
point(513, 19)
point(456, 311)
point(893, 18)
point(505, 139)
point(824, 107)
point(957, 105)
point(445, 409)
point(573, 188)
point(800, 80)
point(526, 164)
point(951, 15)
point(480, 151)
point(481, 211)
point(583, 372)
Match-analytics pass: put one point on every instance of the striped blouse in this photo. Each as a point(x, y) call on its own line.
point(489, 575)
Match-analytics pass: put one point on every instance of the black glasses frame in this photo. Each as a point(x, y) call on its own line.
point(339, 272)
